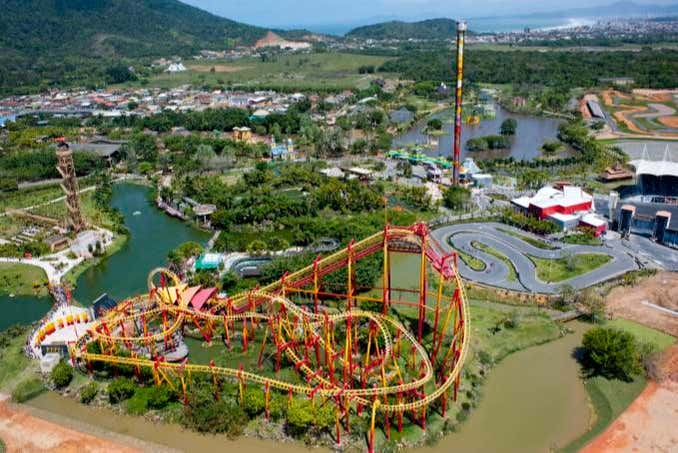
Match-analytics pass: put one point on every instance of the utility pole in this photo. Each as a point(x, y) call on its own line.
point(461, 31)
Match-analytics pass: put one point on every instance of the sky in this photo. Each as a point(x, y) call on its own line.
point(285, 13)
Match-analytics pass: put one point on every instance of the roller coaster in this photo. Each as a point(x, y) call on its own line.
point(397, 352)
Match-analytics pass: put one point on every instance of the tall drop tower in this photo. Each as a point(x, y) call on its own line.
point(69, 185)
point(461, 31)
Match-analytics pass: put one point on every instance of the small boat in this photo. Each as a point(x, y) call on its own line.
point(12, 296)
point(136, 213)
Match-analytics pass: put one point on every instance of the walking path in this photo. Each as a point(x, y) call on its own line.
point(516, 250)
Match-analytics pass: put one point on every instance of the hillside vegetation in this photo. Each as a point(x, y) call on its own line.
point(56, 42)
point(425, 29)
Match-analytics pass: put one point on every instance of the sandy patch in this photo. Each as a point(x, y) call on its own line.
point(220, 68)
point(661, 289)
point(649, 423)
point(22, 432)
point(669, 121)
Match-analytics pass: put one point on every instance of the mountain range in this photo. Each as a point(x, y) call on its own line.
point(445, 28)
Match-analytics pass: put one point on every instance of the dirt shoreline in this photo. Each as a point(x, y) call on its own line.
point(27, 429)
point(649, 423)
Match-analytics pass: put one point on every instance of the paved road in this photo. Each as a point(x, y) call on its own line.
point(496, 271)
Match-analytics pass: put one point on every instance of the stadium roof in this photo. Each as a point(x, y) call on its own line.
point(655, 167)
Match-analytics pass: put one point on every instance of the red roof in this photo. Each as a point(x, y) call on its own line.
point(201, 297)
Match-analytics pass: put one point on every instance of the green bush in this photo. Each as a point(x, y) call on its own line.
point(147, 398)
point(62, 374)
point(121, 389)
point(89, 392)
point(325, 416)
point(253, 401)
point(299, 416)
point(277, 406)
point(611, 353)
point(205, 414)
point(28, 389)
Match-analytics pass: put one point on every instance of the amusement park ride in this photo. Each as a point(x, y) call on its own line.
point(347, 347)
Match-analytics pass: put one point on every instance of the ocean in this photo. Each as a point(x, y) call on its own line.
point(480, 25)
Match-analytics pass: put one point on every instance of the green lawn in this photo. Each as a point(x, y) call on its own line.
point(471, 261)
point(331, 71)
point(582, 239)
point(512, 275)
point(14, 364)
point(565, 268)
point(644, 334)
point(22, 279)
point(530, 240)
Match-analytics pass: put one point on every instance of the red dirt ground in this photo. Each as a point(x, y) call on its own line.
point(649, 424)
point(22, 432)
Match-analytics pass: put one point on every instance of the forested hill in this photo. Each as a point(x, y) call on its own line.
point(44, 42)
point(426, 29)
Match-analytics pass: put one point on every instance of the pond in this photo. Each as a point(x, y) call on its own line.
point(152, 235)
point(22, 309)
point(531, 134)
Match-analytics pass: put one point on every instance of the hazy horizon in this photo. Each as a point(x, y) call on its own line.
point(291, 13)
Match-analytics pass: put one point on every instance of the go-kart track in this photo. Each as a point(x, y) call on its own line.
point(496, 271)
point(356, 355)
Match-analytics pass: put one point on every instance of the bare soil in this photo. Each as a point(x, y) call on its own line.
point(22, 432)
point(669, 121)
point(660, 289)
point(649, 423)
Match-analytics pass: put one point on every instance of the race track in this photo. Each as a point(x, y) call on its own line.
point(461, 236)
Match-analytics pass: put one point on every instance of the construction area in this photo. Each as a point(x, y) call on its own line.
point(642, 112)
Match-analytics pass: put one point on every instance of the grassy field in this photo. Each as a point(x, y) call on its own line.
point(315, 71)
point(658, 339)
point(512, 275)
point(14, 364)
point(22, 279)
point(565, 268)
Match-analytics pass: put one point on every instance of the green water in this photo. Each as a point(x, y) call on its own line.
point(532, 401)
point(22, 309)
point(152, 235)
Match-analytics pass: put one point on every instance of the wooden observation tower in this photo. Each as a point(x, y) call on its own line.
point(66, 168)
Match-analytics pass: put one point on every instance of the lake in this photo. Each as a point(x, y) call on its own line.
point(531, 134)
point(152, 235)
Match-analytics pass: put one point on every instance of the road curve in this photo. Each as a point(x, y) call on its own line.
point(461, 236)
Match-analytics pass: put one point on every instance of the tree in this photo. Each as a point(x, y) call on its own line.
point(120, 389)
point(62, 374)
point(532, 178)
point(434, 124)
point(456, 197)
point(611, 352)
point(119, 74)
point(204, 154)
point(509, 126)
